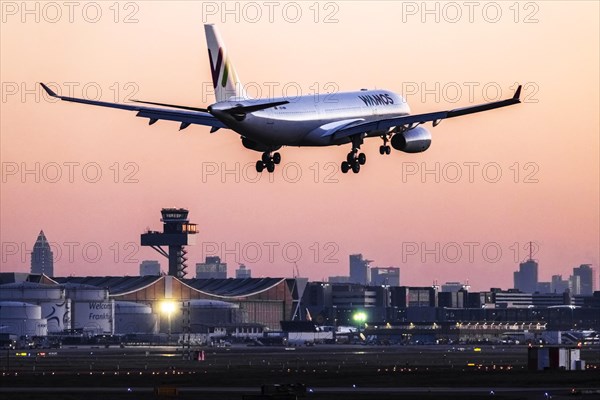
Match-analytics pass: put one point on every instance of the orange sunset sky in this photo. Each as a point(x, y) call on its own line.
point(535, 166)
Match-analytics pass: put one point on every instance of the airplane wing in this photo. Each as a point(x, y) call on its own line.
point(435, 117)
point(187, 115)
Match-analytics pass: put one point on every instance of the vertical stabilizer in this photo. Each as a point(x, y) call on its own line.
point(225, 79)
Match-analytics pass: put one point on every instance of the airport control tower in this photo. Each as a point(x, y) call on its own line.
point(177, 233)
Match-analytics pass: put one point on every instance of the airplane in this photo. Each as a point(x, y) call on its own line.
point(266, 125)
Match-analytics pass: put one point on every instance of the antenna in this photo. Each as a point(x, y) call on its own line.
point(530, 250)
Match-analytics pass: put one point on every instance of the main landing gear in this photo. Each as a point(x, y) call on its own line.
point(268, 161)
point(385, 147)
point(354, 159)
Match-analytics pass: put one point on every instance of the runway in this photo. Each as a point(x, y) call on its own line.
point(328, 372)
point(331, 392)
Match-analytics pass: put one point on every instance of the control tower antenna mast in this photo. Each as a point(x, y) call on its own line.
point(177, 233)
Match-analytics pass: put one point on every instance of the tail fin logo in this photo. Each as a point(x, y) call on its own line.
point(214, 69)
point(224, 78)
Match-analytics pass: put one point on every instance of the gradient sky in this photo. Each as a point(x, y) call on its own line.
point(385, 212)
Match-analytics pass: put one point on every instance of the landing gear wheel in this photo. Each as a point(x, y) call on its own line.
point(276, 158)
point(382, 150)
point(260, 166)
point(388, 150)
point(270, 166)
point(350, 158)
point(362, 158)
point(356, 168)
point(345, 167)
point(266, 157)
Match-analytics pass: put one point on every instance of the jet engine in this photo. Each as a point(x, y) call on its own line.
point(252, 145)
point(415, 140)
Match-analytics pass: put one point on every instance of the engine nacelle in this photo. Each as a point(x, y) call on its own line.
point(415, 140)
point(252, 145)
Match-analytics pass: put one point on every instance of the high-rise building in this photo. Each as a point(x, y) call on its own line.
point(480, 300)
point(42, 261)
point(149, 268)
point(544, 287)
point(526, 278)
point(558, 285)
point(586, 279)
point(455, 287)
point(338, 279)
point(359, 269)
point(242, 272)
point(575, 284)
point(409, 296)
point(389, 276)
point(211, 268)
point(452, 299)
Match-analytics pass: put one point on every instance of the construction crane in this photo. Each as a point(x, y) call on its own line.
point(295, 271)
point(298, 311)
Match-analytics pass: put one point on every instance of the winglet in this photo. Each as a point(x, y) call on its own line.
point(517, 93)
point(48, 90)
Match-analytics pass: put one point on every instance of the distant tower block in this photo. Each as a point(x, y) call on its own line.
point(42, 258)
point(177, 233)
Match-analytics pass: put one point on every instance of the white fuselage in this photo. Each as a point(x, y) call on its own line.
point(309, 120)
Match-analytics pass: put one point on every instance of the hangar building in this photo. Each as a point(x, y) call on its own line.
point(136, 304)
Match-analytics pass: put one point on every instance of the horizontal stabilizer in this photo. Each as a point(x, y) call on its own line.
point(255, 107)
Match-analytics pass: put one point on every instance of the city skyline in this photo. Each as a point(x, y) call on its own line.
point(395, 211)
point(525, 278)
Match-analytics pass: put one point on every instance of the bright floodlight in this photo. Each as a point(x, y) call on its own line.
point(167, 307)
point(359, 316)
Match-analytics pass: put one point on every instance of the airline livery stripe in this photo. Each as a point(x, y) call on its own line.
point(214, 69)
point(225, 73)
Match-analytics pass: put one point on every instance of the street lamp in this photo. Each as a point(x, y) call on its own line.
point(168, 307)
